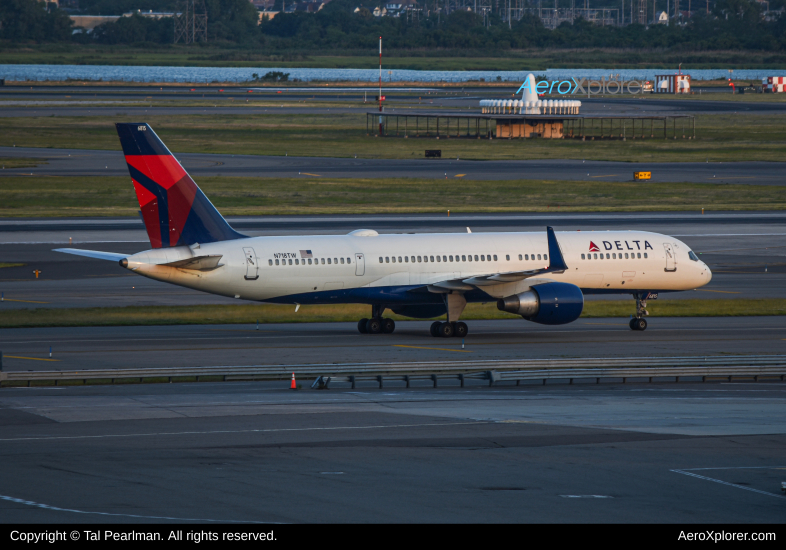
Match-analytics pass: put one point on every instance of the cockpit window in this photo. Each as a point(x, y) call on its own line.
point(693, 256)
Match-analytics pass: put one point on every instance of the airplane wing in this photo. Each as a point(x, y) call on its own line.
point(111, 256)
point(556, 265)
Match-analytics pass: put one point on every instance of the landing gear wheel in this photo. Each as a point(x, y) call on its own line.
point(374, 326)
point(435, 328)
point(388, 326)
point(362, 326)
point(630, 324)
point(460, 330)
point(640, 324)
point(446, 330)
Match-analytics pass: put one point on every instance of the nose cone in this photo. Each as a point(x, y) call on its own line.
point(707, 275)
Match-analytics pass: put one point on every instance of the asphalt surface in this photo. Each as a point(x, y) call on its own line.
point(256, 452)
point(81, 162)
point(83, 348)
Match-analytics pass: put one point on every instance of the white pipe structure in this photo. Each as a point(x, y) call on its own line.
point(509, 106)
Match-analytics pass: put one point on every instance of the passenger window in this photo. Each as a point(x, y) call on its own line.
point(582, 256)
point(495, 257)
point(439, 259)
point(290, 262)
point(507, 257)
point(431, 258)
point(335, 260)
point(276, 262)
point(328, 260)
point(413, 259)
point(349, 261)
point(406, 259)
point(451, 258)
point(614, 255)
point(394, 259)
point(645, 254)
point(297, 262)
point(482, 257)
point(309, 261)
point(323, 261)
point(342, 260)
point(387, 259)
point(463, 258)
point(469, 258)
point(419, 259)
point(607, 256)
point(399, 259)
point(444, 258)
point(545, 256)
point(380, 259)
point(639, 255)
point(270, 262)
point(538, 256)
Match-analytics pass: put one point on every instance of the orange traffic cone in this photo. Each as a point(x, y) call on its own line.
point(293, 385)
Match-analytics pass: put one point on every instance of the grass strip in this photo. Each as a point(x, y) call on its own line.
point(50, 196)
point(250, 314)
point(19, 162)
point(720, 138)
point(6, 264)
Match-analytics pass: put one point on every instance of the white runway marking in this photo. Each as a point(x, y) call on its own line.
point(684, 472)
point(211, 432)
point(57, 509)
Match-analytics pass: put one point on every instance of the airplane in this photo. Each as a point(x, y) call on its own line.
point(541, 277)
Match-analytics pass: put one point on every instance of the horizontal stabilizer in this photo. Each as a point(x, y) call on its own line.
point(111, 256)
point(198, 263)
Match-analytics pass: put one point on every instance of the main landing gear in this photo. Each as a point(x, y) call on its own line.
point(377, 324)
point(639, 322)
point(447, 330)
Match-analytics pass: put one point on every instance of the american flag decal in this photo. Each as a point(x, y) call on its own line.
point(306, 254)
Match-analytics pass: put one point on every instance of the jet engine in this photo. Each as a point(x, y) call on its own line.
point(547, 304)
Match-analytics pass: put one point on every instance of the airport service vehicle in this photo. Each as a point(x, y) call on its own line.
point(542, 277)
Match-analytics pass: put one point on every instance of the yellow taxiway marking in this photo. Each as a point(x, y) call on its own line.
point(26, 301)
point(732, 177)
point(30, 358)
point(613, 324)
point(435, 349)
point(459, 175)
point(721, 291)
point(307, 174)
point(606, 176)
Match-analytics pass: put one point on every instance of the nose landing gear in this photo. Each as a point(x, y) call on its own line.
point(639, 322)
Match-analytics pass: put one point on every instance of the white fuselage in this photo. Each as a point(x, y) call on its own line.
point(365, 267)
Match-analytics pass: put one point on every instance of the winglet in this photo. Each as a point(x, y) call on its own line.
point(556, 261)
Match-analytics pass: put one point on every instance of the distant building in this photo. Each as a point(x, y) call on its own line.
point(150, 14)
point(86, 23)
point(663, 18)
point(267, 15)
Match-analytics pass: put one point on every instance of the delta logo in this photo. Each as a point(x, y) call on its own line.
point(618, 245)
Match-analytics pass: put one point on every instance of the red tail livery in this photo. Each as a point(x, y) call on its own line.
point(174, 209)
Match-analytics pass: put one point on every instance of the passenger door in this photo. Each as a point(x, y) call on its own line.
point(671, 260)
point(360, 265)
point(252, 266)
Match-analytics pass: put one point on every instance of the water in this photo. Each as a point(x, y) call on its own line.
point(234, 74)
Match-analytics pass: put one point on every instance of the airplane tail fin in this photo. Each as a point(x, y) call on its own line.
point(530, 93)
point(175, 211)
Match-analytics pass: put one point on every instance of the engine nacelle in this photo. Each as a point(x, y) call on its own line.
point(547, 304)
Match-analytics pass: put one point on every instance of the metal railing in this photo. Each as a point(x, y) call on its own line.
point(749, 366)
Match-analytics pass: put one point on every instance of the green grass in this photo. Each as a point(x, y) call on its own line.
point(426, 59)
point(250, 314)
point(47, 196)
point(6, 264)
point(727, 138)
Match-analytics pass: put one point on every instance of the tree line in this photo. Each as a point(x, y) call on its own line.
point(730, 25)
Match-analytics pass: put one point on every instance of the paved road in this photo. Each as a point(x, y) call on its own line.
point(712, 453)
point(80, 162)
point(82, 348)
